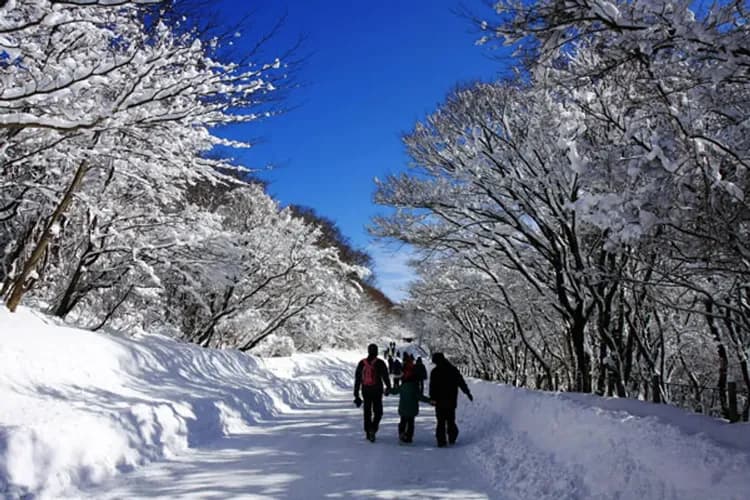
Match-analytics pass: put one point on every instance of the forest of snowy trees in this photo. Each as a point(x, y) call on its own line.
point(115, 208)
point(581, 226)
point(585, 226)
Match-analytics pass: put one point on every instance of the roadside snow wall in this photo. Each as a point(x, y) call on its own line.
point(77, 407)
point(573, 446)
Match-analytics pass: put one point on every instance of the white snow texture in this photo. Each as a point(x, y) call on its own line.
point(91, 415)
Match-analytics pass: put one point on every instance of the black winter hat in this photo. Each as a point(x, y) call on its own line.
point(372, 350)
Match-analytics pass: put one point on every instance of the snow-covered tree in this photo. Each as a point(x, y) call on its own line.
point(662, 94)
point(495, 185)
point(601, 197)
point(85, 88)
point(117, 209)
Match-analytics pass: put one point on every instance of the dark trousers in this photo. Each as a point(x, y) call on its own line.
point(406, 428)
point(446, 423)
point(373, 410)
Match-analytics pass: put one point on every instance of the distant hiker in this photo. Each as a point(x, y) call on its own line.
point(408, 402)
point(445, 380)
point(390, 364)
point(397, 369)
point(420, 372)
point(371, 374)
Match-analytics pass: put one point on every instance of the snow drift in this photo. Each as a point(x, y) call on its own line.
point(563, 445)
point(79, 407)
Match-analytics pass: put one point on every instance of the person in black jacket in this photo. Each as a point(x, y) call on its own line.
point(371, 374)
point(445, 380)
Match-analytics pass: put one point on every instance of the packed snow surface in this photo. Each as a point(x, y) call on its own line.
point(92, 415)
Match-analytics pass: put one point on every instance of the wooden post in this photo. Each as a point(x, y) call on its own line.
point(734, 415)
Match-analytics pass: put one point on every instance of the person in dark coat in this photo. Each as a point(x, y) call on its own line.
point(445, 381)
point(420, 372)
point(397, 367)
point(371, 375)
point(391, 349)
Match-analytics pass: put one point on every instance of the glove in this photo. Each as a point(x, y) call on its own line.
point(471, 398)
point(357, 402)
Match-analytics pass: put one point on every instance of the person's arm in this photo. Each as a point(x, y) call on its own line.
point(384, 376)
point(357, 379)
point(462, 385)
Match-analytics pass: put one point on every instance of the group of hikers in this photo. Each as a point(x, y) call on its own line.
point(373, 377)
point(397, 370)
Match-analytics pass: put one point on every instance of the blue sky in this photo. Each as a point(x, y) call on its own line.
point(374, 69)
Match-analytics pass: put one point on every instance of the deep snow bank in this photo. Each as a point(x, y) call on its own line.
point(553, 446)
point(77, 407)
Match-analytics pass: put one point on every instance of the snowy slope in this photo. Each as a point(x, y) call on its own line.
point(79, 407)
point(87, 415)
point(581, 446)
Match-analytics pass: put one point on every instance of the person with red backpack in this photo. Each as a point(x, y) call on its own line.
point(371, 374)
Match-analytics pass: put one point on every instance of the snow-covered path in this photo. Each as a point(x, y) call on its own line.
point(87, 415)
point(315, 452)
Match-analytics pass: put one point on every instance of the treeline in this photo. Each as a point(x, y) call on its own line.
point(114, 207)
point(584, 226)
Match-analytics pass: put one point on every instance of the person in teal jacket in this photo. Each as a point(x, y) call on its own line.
point(408, 402)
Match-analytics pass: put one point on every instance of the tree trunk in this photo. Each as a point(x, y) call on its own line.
point(69, 299)
point(582, 358)
point(15, 254)
point(18, 286)
point(603, 371)
point(723, 358)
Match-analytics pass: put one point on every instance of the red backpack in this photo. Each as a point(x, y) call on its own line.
point(369, 375)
